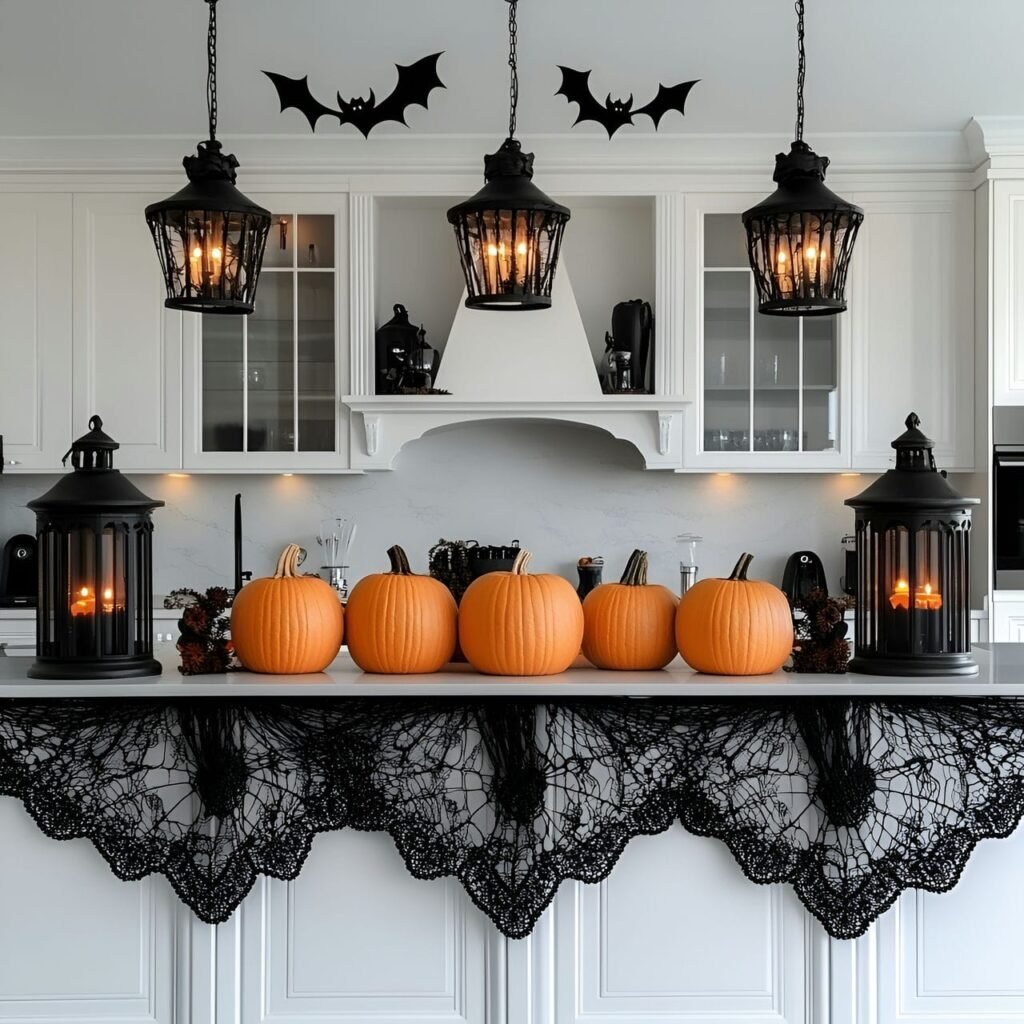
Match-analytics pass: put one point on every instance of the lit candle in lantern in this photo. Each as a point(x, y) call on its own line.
point(84, 603)
point(205, 266)
point(784, 274)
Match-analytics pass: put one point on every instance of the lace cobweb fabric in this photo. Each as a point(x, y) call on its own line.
point(852, 801)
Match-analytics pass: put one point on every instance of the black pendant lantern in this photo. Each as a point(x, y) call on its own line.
point(94, 531)
point(800, 240)
point(913, 568)
point(510, 233)
point(209, 237)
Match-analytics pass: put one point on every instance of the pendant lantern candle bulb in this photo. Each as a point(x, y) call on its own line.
point(510, 233)
point(800, 239)
point(209, 237)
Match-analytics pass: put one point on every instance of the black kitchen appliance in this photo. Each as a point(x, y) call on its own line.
point(629, 362)
point(19, 574)
point(404, 359)
point(1008, 498)
point(849, 578)
point(485, 558)
point(803, 573)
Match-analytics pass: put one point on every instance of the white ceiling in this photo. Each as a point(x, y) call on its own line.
point(129, 67)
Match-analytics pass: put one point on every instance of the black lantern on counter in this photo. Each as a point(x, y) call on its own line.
point(209, 237)
point(800, 239)
point(94, 530)
point(913, 568)
point(509, 234)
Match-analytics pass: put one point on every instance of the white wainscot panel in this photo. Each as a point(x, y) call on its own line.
point(356, 938)
point(956, 956)
point(676, 933)
point(76, 943)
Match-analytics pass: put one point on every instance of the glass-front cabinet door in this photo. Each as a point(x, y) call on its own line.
point(265, 388)
point(769, 385)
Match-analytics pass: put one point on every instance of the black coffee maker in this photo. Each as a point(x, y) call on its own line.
point(629, 362)
point(19, 578)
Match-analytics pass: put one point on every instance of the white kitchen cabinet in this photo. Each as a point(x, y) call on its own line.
point(35, 330)
point(836, 389)
point(1007, 617)
point(1006, 260)
point(770, 388)
point(262, 393)
point(127, 345)
point(912, 325)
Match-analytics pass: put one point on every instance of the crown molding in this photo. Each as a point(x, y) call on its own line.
point(401, 154)
point(997, 144)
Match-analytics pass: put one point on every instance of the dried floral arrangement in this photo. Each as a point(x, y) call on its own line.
point(820, 643)
point(449, 562)
point(205, 621)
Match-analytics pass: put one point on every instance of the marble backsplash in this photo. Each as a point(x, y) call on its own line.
point(562, 490)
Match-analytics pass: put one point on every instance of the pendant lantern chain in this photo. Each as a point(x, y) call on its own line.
point(513, 94)
point(211, 73)
point(801, 72)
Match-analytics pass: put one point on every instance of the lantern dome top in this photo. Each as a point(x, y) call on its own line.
point(94, 485)
point(916, 481)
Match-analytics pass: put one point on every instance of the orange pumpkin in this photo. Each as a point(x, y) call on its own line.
point(736, 626)
point(287, 623)
point(630, 625)
point(400, 623)
point(514, 624)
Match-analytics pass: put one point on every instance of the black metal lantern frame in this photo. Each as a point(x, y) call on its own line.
point(94, 530)
point(510, 233)
point(800, 239)
point(210, 238)
point(913, 554)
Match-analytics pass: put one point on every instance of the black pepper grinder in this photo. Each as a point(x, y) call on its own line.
point(589, 570)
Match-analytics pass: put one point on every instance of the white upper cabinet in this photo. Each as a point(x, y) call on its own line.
point(261, 393)
point(35, 330)
point(1007, 294)
point(821, 393)
point(912, 325)
point(127, 345)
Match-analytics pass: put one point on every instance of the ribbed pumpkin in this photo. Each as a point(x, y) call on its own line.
point(736, 626)
point(630, 625)
point(515, 624)
point(287, 624)
point(400, 623)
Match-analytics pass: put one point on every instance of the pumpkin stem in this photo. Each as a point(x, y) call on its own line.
point(399, 561)
point(635, 574)
point(288, 563)
point(740, 572)
point(521, 562)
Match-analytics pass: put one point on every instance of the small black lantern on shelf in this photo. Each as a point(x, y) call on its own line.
point(94, 530)
point(913, 568)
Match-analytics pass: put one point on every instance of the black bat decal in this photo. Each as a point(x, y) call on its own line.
point(415, 83)
point(613, 114)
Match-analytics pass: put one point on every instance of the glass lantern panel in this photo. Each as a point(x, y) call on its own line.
point(84, 587)
point(895, 584)
point(316, 376)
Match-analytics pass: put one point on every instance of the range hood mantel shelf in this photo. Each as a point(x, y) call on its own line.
point(653, 424)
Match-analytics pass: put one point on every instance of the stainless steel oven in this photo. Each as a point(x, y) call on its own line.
point(1008, 497)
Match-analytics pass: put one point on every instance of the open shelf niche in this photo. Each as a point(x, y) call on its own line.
point(616, 247)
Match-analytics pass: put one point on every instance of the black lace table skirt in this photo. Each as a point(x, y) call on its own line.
point(851, 801)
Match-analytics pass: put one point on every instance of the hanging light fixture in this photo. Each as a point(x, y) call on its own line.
point(209, 237)
point(509, 234)
point(800, 240)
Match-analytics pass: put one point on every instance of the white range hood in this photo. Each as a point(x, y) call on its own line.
point(527, 365)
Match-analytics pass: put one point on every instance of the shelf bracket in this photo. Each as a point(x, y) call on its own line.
point(372, 428)
point(665, 421)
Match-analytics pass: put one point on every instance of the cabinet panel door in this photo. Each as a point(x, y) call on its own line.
point(912, 320)
point(356, 938)
point(677, 933)
point(1006, 217)
point(950, 957)
point(35, 330)
point(76, 943)
point(127, 345)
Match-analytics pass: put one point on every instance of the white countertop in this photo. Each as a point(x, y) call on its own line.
point(1001, 675)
